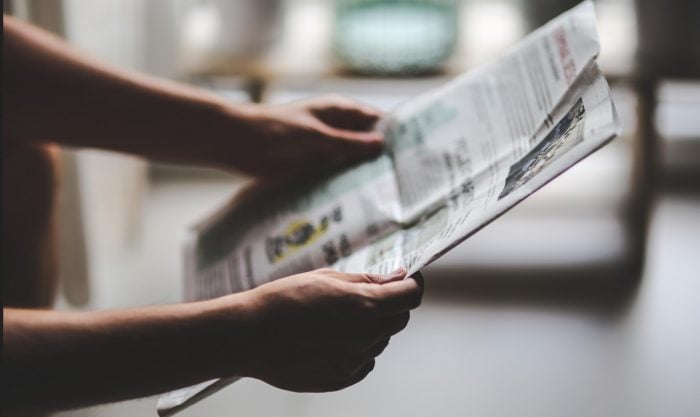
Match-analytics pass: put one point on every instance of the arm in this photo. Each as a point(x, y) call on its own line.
point(57, 359)
point(316, 331)
point(53, 93)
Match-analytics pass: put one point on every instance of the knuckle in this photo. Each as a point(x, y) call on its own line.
point(416, 298)
point(368, 304)
point(379, 348)
point(325, 271)
point(369, 278)
point(309, 281)
point(404, 319)
point(366, 370)
point(336, 98)
point(368, 298)
point(396, 325)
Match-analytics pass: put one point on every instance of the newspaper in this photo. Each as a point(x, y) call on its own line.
point(455, 159)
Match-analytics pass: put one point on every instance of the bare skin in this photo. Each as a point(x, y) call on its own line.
point(29, 180)
point(54, 94)
point(316, 331)
point(313, 332)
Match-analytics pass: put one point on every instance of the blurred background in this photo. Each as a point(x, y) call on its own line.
point(581, 301)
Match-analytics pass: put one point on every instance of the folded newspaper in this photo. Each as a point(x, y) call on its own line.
point(455, 159)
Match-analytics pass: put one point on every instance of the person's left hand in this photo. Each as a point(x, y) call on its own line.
point(308, 135)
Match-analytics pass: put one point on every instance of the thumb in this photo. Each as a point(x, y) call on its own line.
point(396, 275)
point(342, 113)
point(352, 140)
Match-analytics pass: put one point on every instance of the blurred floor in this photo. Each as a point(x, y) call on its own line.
point(503, 353)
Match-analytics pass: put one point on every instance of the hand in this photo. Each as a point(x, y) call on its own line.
point(321, 330)
point(308, 135)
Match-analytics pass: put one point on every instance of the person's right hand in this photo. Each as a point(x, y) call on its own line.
point(321, 330)
point(299, 137)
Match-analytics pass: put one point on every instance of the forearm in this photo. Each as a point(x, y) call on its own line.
point(53, 93)
point(68, 359)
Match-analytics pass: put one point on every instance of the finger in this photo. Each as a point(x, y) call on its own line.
point(346, 103)
point(343, 380)
point(346, 145)
point(344, 113)
point(362, 373)
point(396, 275)
point(336, 138)
point(371, 340)
point(418, 276)
point(390, 326)
point(397, 296)
point(377, 349)
point(350, 118)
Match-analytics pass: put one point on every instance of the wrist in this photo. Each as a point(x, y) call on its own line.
point(233, 134)
point(229, 325)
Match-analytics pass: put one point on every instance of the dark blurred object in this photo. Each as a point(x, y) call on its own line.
point(669, 38)
point(395, 37)
point(678, 127)
point(668, 68)
point(539, 12)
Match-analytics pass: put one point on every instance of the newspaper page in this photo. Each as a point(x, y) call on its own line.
point(455, 159)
